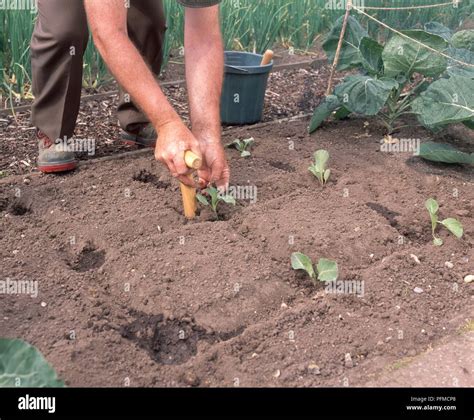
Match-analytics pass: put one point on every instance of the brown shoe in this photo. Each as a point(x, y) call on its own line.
point(52, 157)
point(143, 135)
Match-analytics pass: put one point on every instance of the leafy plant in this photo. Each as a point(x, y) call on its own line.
point(215, 198)
point(242, 146)
point(453, 225)
point(327, 270)
point(318, 168)
point(401, 77)
point(21, 364)
point(438, 152)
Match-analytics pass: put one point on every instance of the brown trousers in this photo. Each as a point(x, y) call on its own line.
point(57, 47)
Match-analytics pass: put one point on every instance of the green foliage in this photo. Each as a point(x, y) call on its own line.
point(215, 198)
point(23, 365)
point(390, 85)
point(453, 225)
point(242, 146)
point(327, 270)
point(446, 101)
point(318, 168)
point(463, 39)
point(438, 152)
point(350, 56)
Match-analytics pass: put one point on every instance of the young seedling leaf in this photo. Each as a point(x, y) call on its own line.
point(327, 174)
point(437, 241)
point(202, 199)
point(327, 270)
point(438, 152)
point(301, 261)
point(432, 207)
point(21, 361)
point(228, 199)
point(318, 168)
point(245, 154)
point(454, 226)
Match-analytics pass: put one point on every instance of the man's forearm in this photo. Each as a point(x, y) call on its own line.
point(204, 70)
point(125, 62)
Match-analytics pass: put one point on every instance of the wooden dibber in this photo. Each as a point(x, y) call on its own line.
point(189, 193)
point(267, 58)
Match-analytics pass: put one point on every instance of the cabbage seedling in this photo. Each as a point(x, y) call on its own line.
point(327, 270)
point(242, 146)
point(453, 225)
point(318, 168)
point(215, 198)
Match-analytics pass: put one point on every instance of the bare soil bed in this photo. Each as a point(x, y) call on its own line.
point(130, 292)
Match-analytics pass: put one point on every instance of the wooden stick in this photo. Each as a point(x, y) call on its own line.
point(339, 47)
point(189, 193)
point(267, 58)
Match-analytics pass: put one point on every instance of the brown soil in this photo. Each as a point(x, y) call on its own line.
point(165, 302)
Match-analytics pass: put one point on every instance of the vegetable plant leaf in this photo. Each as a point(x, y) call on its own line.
point(438, 152)
point(438, 241)
point(364, 94)
point(327, 270)
point(469, 124)
point(439, 29)
point(432, 207)
point(404, 56)
point(300, 261)
point(21, 360)
point(350, 54)
point(454, 226)
point(327, 174)
point(446, 101)
point(321, 158)
point(342, 113)
point(371, 55)
point(458, 69)
point(228, 199)
point(323, 111)
point(202, 199)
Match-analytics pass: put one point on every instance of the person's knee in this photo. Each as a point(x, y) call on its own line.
point(73, 38)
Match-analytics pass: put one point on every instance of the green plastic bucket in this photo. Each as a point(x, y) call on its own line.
point(245, 84)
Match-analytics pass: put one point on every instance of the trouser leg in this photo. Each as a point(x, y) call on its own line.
point(57, 48)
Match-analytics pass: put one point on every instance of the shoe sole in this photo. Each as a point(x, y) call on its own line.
point(58, 167)
point(136, 141)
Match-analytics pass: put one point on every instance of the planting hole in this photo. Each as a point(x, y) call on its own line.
point(88, 259)
point(148, 178)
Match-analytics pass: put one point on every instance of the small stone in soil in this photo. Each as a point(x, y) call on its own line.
point(469, 278)
point(418, 290)
point(449, 264)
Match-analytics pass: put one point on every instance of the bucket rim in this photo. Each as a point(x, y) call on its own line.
point(266, 66)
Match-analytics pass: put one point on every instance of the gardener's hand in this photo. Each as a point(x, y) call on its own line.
point(174, 139)
point(215, 168)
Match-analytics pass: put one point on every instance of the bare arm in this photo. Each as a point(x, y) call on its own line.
point(204, 54)
point(108, 23)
